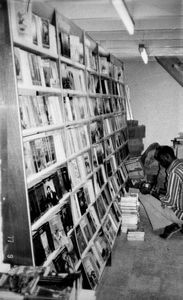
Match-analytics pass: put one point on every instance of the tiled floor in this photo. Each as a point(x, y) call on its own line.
point(152, 269)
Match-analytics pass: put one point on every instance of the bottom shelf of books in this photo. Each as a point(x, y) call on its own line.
point(85, 247)
point(79, 233)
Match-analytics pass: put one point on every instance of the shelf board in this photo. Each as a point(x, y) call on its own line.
point(36, 49)
point(69, 61)
point(106, 76)
point(98, 95)
point(77, 122)
point(73, 92)
point(92, 71)
point(29, 90)
point(45, 128)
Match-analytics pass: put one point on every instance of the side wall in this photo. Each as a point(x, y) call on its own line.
point(156, 100)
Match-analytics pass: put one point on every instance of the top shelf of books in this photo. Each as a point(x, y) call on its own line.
point(48, 34)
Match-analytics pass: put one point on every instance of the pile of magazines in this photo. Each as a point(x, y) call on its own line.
point(24, 282)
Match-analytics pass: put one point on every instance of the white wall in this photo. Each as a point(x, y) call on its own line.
point(156, 101)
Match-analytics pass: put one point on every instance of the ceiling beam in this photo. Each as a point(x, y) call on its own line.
point(155, 43)
point(114, 24)
point(133, 52)
point(139, 34)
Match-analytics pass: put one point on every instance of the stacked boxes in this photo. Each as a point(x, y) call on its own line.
point(136, 134)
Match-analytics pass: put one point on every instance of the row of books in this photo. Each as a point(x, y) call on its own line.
point(113, 143)
point(101, 128)
point(38, 111)
point(101, 106)
point(75, 108)
point(34, 70)
point(93, 83)
point(54, 233)
point(88, 226)
point(114, 123)
point(72, 78)
point(100, 63)
point(31, 29)
point(108, 68)
point(104, 86)
point(79, 168)
point(48, 192)
point(122, 154)
point(70, 44)
point(111, 87)
point(45, 150)
point(91, 57)
point(37, 31)
point(52, 236)
point(76, 139)
point(94, 261)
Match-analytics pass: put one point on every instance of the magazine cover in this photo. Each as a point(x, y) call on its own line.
point(45, 35)
point(91, 270)
point(66, 216)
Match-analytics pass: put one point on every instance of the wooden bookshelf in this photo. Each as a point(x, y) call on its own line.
point(64, 100)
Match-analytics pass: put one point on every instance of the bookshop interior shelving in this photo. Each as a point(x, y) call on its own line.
point(63, 142)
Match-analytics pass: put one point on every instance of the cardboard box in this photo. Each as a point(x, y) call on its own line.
point(135, 146)
point(136, 132)
point(132, 123)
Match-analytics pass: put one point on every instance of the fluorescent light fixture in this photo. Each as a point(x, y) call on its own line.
point(122, 11)
point(143, 53)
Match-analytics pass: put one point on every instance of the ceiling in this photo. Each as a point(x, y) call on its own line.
point(158, 25)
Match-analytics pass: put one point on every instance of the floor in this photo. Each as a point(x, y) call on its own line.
point(149, 269)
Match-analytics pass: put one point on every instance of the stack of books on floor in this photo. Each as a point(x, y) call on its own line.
point(129, 206)
point(135, 235)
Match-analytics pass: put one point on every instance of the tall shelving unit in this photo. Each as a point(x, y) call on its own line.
point(63, 128)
